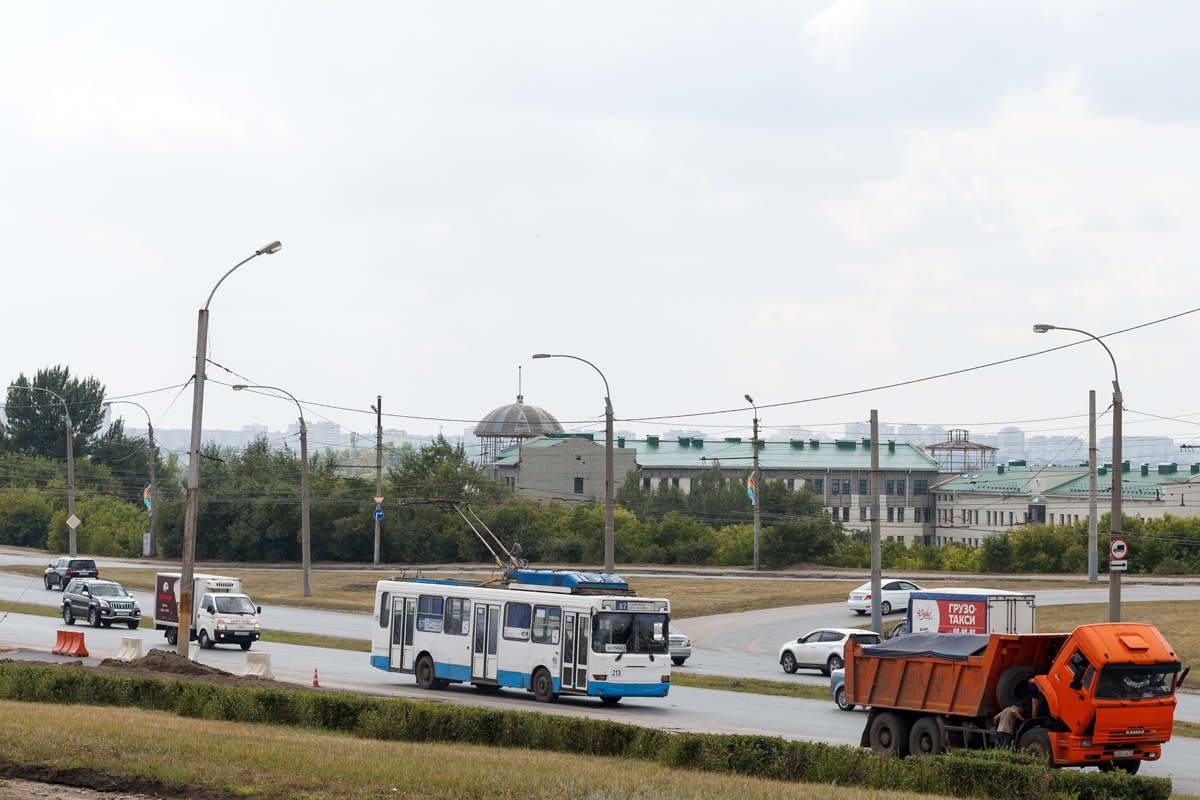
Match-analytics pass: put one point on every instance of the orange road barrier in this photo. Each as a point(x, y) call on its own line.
point(70, 643)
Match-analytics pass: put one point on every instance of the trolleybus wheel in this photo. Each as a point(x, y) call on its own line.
point(611, 700)
point(543, 687)
point(426, 676)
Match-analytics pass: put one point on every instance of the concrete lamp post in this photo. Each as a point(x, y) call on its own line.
point(305, 546)
point(153, 482)
point(1114, 575)
point(70, 461)
point(192, 503)
point(609, 546)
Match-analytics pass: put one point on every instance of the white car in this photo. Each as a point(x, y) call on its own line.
point(822, 649)
point(681, 647)
point(895, 597)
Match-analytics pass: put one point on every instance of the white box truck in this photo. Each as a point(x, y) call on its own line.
point(221, 614)
point(970, 611)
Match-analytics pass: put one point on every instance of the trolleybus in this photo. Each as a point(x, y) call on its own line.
point(548, 632)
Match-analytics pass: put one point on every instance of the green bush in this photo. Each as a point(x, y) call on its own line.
point(960, 774)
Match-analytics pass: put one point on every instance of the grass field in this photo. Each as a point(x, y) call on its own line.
point(808, 691)
point(1175, 619)
point(273, 762)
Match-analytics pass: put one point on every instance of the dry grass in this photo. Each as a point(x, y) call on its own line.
point(1175, 619)
point(272, 762)
point(809, 691)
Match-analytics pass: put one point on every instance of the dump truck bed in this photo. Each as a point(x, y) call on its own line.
point(941, 673)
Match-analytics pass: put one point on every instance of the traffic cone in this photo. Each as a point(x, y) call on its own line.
point(314, 683)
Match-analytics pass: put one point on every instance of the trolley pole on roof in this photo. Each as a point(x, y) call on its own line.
point(876, 554)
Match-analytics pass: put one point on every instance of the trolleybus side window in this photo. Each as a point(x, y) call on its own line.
point(458, 616)
point(546, 623)
point(385, 610)
point(429, 614)
point(517, 617)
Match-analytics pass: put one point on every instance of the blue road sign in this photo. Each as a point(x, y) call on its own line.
point(379, 513)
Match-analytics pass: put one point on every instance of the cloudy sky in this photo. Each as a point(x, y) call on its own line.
point(787, 199)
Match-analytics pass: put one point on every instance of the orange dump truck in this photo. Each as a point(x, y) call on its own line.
point(1107, 692)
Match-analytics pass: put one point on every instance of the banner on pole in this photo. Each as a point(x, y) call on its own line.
point(146, 499)
point(750, 489)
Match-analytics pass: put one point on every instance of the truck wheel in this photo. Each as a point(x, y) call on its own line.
point(889, 735)
point(203, 640)
point(926, 738)
point(1013, 687)
point(1036, 742)
point(1129, 765)
point(426, 675)
point(789, 662)
point(246, 645)
point(839, 697)
point(543, 687)
point(172, 636)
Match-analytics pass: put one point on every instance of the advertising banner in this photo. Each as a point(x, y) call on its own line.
point(166, 598)
point(949, 616)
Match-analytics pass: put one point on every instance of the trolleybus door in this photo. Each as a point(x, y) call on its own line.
point(568, 651)
point(493, 642)
point(396, 647)
point(487, 639)
point(581, 651)
point(410, 619)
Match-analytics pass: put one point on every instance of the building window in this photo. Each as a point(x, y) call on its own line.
point(646, 482)
point(818, 485)
point(891, 487)
point(835, 487)
point(674, 481)
point(862, 487)
point(579, 486)
point(845, 487)
point(976, 517)
point(900, 514)
point(845, 513)
point(899, 487)
point(791, 484)
point(891, 514)
point(920, 487)
point(900, 539)
point(1010, 519)
point(928, 514)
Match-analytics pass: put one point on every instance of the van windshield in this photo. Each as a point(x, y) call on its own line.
point(1136, 682)
point(234, 604)
point(630, 633)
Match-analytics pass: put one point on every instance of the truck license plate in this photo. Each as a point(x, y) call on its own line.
point(1122, 753)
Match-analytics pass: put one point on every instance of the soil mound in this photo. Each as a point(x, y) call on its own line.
point(161, 663)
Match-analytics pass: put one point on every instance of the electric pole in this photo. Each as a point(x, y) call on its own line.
point(378, 464)
point(876, 553)
point(1093, 523)
point(755, 481)
point(1114, 526)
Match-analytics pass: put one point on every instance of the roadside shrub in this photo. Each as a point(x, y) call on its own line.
point(1171, 565)
point(960, 774)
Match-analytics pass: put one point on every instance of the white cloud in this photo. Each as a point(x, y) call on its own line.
point(830, 33)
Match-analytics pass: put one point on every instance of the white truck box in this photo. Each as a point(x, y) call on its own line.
point(971, 611)
point(221, 614)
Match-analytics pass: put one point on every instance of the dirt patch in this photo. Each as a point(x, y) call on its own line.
point(168, 665)
point(42, 781)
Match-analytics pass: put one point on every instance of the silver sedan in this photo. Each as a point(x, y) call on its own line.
point(681, 647)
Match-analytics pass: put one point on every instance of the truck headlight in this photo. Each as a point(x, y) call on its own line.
point(256, 625)
point(220, 624)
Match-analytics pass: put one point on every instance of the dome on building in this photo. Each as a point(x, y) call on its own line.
point(509, 424)
point(518, 420)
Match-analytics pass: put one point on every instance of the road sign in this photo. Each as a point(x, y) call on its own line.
point(1118, 566)
point(379, 513)
point(1118, 550)
point(378, 500)
point(74, 521)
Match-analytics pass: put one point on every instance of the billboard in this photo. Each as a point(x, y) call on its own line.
point(166, 598)
point(949, 616)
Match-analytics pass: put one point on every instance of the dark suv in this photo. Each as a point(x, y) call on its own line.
point(62, 570)
point(100, 602)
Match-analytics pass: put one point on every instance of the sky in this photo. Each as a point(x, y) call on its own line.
point(791, 200)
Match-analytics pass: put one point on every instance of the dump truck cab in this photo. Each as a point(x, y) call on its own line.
point(1109, 696)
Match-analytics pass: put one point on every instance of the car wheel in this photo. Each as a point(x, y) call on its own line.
point(246, 645)
point(678, 661)
point(133, 624)
point(68, 617)
point(789, 662)
point(426, 674)
point(839, 697)
point(93, 617)
point(543, 687)
point(203, 640)
point(106, 623)
point(860, 612)
point(46, 581)
point(885, 607)
point(835, 662)
point(609, 699)
point(62, 584)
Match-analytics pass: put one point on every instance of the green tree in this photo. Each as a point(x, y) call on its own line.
point(36, 420)
point(127, 459)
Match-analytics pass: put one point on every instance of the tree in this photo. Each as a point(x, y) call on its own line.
point(128, 459)
point(36, 422)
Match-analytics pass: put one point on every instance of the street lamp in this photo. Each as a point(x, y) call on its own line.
point(1114, 575)
point(153, 482)
point(70, 463)
point(305, 552)
point(192, 503)
point(609, 546)
point(755, 480)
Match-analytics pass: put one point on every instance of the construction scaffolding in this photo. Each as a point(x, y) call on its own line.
point(958, 454)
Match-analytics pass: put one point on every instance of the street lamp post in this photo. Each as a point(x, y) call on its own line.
point(1114, 575)
point(70, 462)
point(305, 548)
point(756, 480)
point(153, 482)
point(609, 545)
point(192, 502)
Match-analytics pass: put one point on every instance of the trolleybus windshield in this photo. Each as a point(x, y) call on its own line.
point(619, 632)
